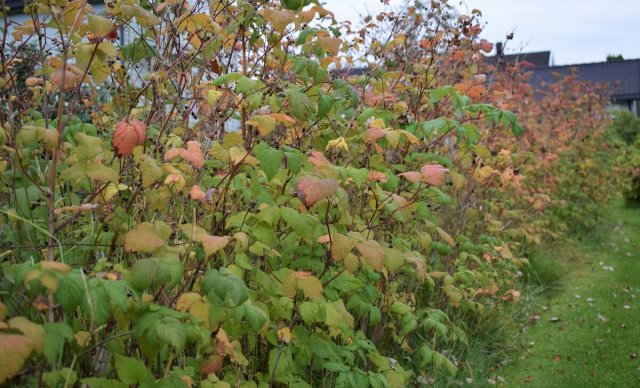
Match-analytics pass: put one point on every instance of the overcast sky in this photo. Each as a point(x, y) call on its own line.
point(575, 31)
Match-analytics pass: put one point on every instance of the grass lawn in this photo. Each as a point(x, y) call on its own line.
point(586, 333)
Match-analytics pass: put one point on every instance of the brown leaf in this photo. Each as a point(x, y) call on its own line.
point(192, 154)
point(128, 135)
point(311, 189)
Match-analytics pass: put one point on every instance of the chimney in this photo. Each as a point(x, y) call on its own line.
point(499, 49)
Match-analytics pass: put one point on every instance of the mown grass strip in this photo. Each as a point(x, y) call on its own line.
point(587, 332)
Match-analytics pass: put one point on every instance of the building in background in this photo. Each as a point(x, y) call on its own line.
point(621, 76)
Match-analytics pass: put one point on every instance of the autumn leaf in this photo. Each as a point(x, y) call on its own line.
point(433, 174)
point(377, 176)
point(330, 44)
point(373, 253)
point(279, 19)
point(374, 133)
point(146, 237)
point(31, 330)
point(14, 351)
point(265, 124)
point(127, 135)
point(412, 176)
point(197, 194)
point(211, 244)
point(99, 26)
point(192, 154)
point(340, 245)
point(66, 80)
point(311, 189)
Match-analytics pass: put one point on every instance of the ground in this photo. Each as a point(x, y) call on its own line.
point(586, 333)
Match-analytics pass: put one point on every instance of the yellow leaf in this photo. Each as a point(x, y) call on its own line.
point(265, 124)
point(31, 330)
point(14, 350)
point(284, 335)
point(373, 253)
point(310, 285)
point(186, 300)
point(279, 19)
point(330, 44)
point(55, 266)
point(340, 142)
point(211, 244)
point(99, 25)
point(341, 245)
point(82, 338)
point(146, 237)
point(213, 95)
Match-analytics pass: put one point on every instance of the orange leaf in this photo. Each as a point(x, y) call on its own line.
point(127, 135)
point(377, 176)
point(487, 47)
point(412, 176)
point(192, 154)
point(433, 174)
point(372, 134)
point(311, 189)
point(197, 194)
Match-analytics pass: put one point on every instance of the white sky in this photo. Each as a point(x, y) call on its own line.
point(575, 31)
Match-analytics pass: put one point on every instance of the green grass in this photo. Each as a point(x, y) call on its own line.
point(584, 329)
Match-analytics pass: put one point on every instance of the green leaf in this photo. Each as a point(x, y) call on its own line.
point(309, 312)
point(95, 382)
point(300, 106)
point(269, 157)
point(63, 377)
point(256, 318)
point(435, 95)
point(224, 287)
point(71, 291)
point(55, 336)
point(304, 225)
point(130, 370)
point(226, 78)
point(325, 103)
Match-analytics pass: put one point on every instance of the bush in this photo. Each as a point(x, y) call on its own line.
point(343, 236)
point(625, 126)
